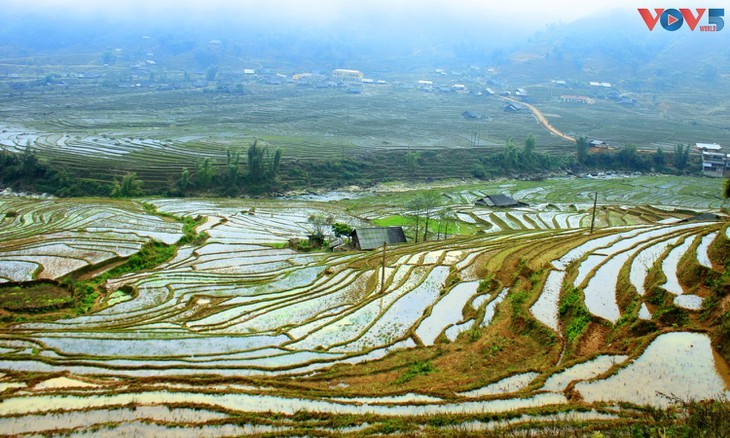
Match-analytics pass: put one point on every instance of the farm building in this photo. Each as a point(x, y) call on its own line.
point(371, 238)
point(499, 201)
point(598, 144)
point(715, 164)
point(512, 108)
point(570, 98)
point(425, 85)
point(708, 147)
point(470, 115)
point(347, 76)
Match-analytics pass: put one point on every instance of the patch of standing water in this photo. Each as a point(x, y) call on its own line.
point(590, 246)
point(142, 428)
point(559, 418)
point(446, 312)
point(644, 260)
point(263, 403)
point(644, 312)
point(77, 420)
point(504, 386)
point(492, 307)
point(582, 371)
point(405, 398)
point(680, 364)
point(402, 314)
point(689, 302)
point(670, 265)
point(587, 266)
point(545, 308)
point(455, 330)
point(63, 382)
point(703, 258)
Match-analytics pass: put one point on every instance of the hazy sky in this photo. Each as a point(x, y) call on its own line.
point(532, 12)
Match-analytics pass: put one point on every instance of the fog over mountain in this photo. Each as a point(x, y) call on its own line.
point(325, 33)
point(387, 28)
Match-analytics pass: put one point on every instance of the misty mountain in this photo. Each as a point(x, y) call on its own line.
point(615, 46)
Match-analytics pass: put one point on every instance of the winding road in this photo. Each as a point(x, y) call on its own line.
point(540, 118)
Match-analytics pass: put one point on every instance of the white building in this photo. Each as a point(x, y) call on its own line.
point(709, 147)
point(347, 76)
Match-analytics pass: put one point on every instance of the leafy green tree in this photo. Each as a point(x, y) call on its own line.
point(29, 161)
point(255, 163)
point(341, 230)
point(274, 164)
point(232, 160)
point(183, 184)
point(528, 153)
point(510, 156)
point(320, 223)
point(681, 156)
point(627, 156)
point(262, 166)
point(581, 150)
point(659, 158)
point(130, 186)
point(205, 173)
point(726, 189)
point(412, 160)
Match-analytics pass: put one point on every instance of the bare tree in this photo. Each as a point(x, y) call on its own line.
point(431, 201)
point(415, 206)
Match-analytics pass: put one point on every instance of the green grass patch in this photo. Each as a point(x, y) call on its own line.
point(419, 368)
point(574, 313)
point(434, 225)
point(35, 297)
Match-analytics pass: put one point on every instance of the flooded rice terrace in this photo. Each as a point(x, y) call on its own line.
point(242, 305)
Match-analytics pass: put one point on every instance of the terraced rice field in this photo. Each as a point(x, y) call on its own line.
point(47, 239)
point(237, 330)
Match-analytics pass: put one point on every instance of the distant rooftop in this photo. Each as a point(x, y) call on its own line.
point(709, 146)
point(500, 200)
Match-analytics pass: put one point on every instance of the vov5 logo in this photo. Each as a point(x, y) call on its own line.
point(673, 19)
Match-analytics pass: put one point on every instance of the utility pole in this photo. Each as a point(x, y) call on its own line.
point(382, 274)
point(593, 219)
point(382, 279)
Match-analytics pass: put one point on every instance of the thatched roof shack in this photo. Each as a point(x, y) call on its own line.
point(371, 238)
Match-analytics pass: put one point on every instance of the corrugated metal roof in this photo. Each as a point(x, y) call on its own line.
point(498, 201)
point(371, 238)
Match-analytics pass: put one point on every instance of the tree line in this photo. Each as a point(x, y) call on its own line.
point(258, 169)
point(629, 158)
point(25, 172)
point(261, 172)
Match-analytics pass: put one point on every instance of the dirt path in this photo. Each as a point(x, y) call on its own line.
point(541, 119)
